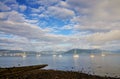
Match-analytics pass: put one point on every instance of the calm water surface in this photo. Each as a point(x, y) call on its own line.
point(98, 65)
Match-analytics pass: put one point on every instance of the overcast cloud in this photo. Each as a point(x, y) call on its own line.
point(59, 24)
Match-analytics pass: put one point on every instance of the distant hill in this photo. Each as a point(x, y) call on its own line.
point(115, 51)
point(14, 51)
point(30, 52)
point(9, 51)
point(72, 51)
point(51, 52)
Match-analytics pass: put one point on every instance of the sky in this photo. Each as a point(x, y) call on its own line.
point(38, 25)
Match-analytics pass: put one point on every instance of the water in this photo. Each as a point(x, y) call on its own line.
point(108, 65)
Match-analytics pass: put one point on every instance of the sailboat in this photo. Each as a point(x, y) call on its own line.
point(24, 55)
point(102, 54)
point(75, 54)
point(92, 56)
point(54, 55)
point(38, 54)
point(60, 55)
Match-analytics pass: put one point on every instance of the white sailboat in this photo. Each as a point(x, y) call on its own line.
point(24, 55)
point(54, 55)
point(38, 55)
point(102, 54)
point(75, 54)
point(60, 55)
point(92, 55)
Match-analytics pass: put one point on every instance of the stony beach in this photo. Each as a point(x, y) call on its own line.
point(36, 72)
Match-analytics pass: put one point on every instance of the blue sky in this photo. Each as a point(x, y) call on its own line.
point(59, 24)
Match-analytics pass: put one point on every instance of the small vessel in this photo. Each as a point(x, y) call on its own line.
point(54, 55)
point(24, 55)
point(102, 55)
point(75, 54)
point(38, 55)
point(92, 56)
point(59, 55)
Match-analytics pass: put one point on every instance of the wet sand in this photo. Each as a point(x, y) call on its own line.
point(36, 72)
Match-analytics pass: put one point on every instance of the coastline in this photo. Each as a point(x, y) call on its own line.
point(36, 72)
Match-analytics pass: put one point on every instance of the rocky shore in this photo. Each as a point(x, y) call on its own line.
point(36, 72)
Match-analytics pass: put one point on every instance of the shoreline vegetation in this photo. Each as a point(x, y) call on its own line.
point(36, 72)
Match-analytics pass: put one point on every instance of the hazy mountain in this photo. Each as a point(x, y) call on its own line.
point(30, 52)
point(72, 51)
point(115, 51)
point(51, 52)
point(14, 51)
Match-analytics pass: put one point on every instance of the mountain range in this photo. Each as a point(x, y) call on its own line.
point(72, 51)
point(77, 51)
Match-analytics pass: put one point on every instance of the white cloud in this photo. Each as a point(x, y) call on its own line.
point(42, 15)
point(102, 38)
point(4, 7)
point(15, 43)
point(24, 29)
point(21, 29)
point(114, 45)
point(14, 6)
point(107, 10)
point(83, 3)
point(8, 5)
point(82, 6)
point(9, 1)
point(95, 24)
point(67, 27)
point(45, 3)
point(63, 4)
point(60, 12)
point(26, 32)
point(38, 10)
point(22, 7)
point(12, 16)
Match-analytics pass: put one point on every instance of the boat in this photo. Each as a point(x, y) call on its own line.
point(38, 55)
point(54, 55)
point(75, 54)
point(59, 55)
point(102, 54)
point(24, 55)
point(92, 56)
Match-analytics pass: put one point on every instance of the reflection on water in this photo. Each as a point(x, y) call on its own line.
point(92, 56)
point(75, 55)
point(102, 55)
point(93, 64)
